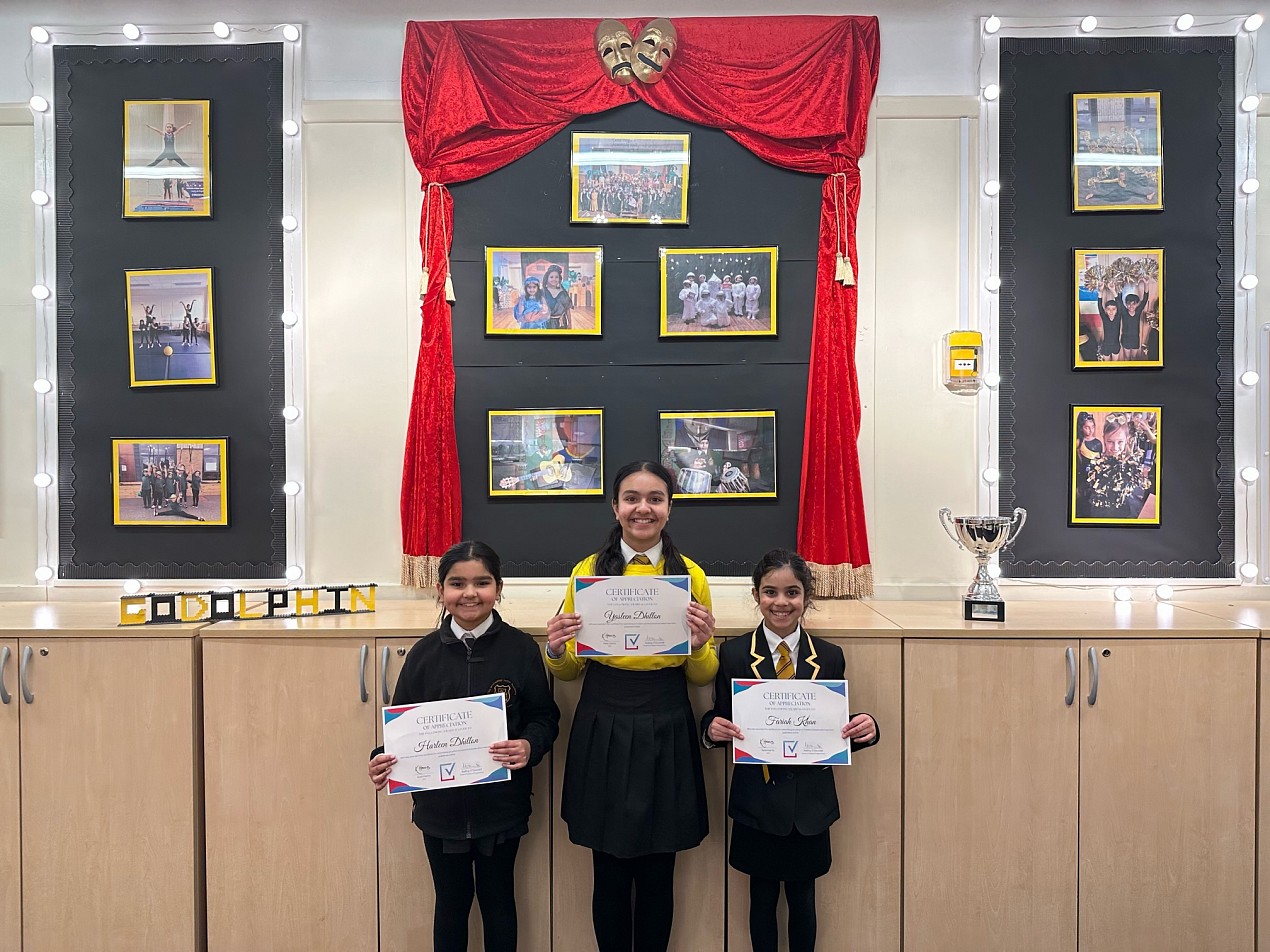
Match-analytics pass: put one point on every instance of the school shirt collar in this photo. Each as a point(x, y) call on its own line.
point(774, 640)
point(476, 632)
point(654, 554)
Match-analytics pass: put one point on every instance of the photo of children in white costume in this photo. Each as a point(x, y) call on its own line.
point(718, 291)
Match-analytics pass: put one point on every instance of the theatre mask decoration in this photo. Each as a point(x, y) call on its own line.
point(654, 50)
point(614, 45)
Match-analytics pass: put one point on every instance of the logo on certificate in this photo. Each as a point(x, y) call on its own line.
point(447, 772)
point(790, 748)
point(632, 641)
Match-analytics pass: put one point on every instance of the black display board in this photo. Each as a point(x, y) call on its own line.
point(242, 243)
point(734, 199)
point(1039, 231)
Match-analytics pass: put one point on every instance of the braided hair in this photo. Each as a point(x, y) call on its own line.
point(609, 560)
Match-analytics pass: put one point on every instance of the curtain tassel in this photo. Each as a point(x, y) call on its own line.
point(423, 283)
point(846, 274)
point(449, 284)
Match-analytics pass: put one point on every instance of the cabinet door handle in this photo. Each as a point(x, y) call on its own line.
point(4, 663)
point(361, 674)
point(23, 683)
point(383, 680)
point(1093, 677)
point(1071, 676)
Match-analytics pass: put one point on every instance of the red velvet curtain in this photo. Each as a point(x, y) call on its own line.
point(795, 91)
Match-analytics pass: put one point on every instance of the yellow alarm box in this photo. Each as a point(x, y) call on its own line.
point(963, 361)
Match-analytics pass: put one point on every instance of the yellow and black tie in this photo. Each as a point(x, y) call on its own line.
point(784, 671)
point(641, 559)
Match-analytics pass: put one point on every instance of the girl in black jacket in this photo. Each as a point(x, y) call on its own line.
point(472, 833)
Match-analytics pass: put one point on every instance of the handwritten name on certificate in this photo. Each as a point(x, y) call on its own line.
point(790, 722)
point(632, 615)
point(442, 744)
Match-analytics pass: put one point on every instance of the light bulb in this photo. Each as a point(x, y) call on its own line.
point(43, 480)
point(291, 488)
point(132, 586)
point(1164, 592)
point(1248, 282)
point(992, 283)
point(43, 573)
point(221, 29)
point(991, 91)
point(991, 474)
point(991, 187)
point(992, 380)
point(994, 570)
point(1089, 24)
point(290, 414)
point(1250, 103)
point(294, 572)
point(132, 31)
point(992, 24)
point(1185, 22)
point(290, 223)
point(1249, 186)
point(1124, 593)
point(43, 385)
point(1250, 378)
point(289, 318)
point(290, 127)
point(1248, 570)
point(1249, 474)
point(40, 292)
point(290, 33)
point(39, 34)
point(40, 197)
point(39, 104)
point(1253, 23)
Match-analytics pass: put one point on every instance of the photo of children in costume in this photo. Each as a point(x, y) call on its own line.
point(543, 290)
point(708, 291)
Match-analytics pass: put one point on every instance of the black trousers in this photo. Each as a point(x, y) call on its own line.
point(800, 897)
point(644, 924)
point(456, 878)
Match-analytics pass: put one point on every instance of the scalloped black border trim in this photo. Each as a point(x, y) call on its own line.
point(1224, 566)
point(65, 58)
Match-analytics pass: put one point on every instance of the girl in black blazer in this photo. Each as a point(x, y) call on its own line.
point(781, 815)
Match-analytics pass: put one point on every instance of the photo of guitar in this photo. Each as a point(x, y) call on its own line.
point(545, 452)
point(551, 472)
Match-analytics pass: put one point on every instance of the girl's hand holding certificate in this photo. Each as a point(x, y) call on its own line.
point(565, 626)
point(860, 729)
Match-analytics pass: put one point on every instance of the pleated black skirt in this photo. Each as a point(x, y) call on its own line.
point(793, 856)
point(632, 779)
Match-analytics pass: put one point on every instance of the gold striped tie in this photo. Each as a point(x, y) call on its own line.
point(784, 671)
point(641, 559)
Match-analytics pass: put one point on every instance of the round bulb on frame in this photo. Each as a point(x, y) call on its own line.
point(1253, 23)
point(992, 24)
point(290, 223)
point(43, 385)
point(291, 487)
point(290, 414)
point(39, 104)
point(991, 91)
point(290, 127)
point(132, 31)
point(132, 586)
point(992, 283)
point(991, 474)
point(43, 573)
point(1185, 22)
point(1249, 474)
point(1124, 593)
point(992, 380)
point(1249, 186)
point(1248, 282)
point(1248, 570)
point(39, 34)
point(40, 292)
point(1164, 592)
point(294, 572)
point(1089, 24)
point(991, 187)
point(40, 197)
point(290, 33)
point(1250, 378)
point(42, 480)
point(289, 318)
point(1250, 103)
point(221, 29)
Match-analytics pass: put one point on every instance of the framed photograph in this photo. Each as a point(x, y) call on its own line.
point(170, 333)
point(728, 454)
point(546, 453)
point(543, 291)
point(170, 482)
point(1115, 466)
point(1119, 296)
point(1117, 155)
point(167, 158)
point(707, 292)
point(630, 177)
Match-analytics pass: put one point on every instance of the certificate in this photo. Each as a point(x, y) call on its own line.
point(790, 722)
point(632, 615)
point(442, 744)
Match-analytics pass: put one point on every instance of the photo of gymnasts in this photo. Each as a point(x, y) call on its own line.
point(548, 291)
point(725, 455)
point(170, 334)
point(707, 292)
point(546, 452)
point(1119, 308)
point(1117, 162)
point(167, 150)
point(1115, 465)
point(632, 178)
point(170, 483)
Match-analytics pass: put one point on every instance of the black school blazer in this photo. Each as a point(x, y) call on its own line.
point(798, 798)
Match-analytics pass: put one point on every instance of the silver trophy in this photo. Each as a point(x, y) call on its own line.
point(981, 536)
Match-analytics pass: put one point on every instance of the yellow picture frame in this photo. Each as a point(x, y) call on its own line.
point(1115, 465)
point(743, 467)
point(1134, 277)
point(165, 334)
point(509, 271)
point(561, 453)
point(1117, 158)
point(159, 126)
point(675, 264)
point(631, 178)
point(134, 457)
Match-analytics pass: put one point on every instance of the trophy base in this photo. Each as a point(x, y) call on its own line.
point(983, 609)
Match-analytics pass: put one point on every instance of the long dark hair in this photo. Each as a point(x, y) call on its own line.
point(609, 560)
point(786, 558)
point(469, 551)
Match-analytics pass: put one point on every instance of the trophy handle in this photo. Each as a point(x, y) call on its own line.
point(1020, 517)
point(945, 515)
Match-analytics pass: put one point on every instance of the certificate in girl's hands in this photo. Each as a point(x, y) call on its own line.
point(790, 722)
point(633, 615)
point(441, 744)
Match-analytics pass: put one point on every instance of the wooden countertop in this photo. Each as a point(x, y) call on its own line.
point(80, 620)
point(1251, 614)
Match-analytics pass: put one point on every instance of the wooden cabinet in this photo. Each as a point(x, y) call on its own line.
point(10, 802)
point(290, 814)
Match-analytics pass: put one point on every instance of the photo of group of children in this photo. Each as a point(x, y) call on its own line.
point(631, 178)
point(170, 483)
point(167, 158)
point(1117, 156)
point(170, 333)
point(543, 290)
point(1115, 465)
point(718, 291)
point(1119, 308)
point(724, 455)
point(546, 452)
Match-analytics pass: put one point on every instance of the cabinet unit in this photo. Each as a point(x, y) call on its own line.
point(10, 802)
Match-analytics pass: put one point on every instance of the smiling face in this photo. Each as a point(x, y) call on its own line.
point(642, 509)
point(781, 600)
point(553, 280)
point(468, 592)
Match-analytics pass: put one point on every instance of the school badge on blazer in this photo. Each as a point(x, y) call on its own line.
point(504, 687)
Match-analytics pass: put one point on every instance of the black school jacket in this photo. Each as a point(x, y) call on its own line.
point(504, 659)
point(798, 798)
